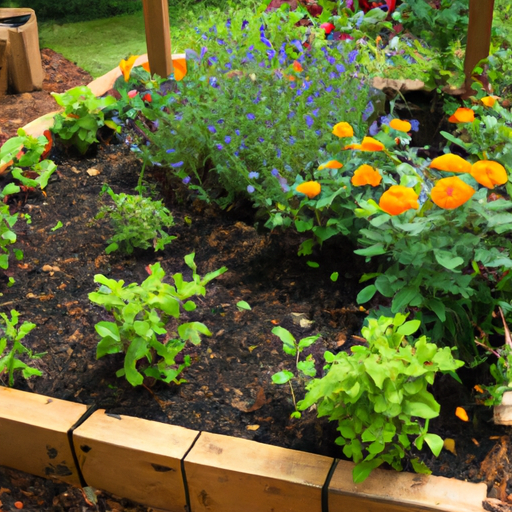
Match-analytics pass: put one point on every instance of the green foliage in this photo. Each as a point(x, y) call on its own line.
point(138, 221)
point(305, 369)
point(246, 123)
point(142, 314)
point(82, 116)
point(10, 341)
point(501, 371)
point(379, 397)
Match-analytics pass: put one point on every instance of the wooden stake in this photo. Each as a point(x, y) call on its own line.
point(479, 38)
point(158, 38)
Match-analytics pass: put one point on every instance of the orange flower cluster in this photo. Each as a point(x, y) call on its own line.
point(297, 66)
point(489, 173)
point(343, 130)
point(366, 175)
point(450, 163)
point(399, 125)
point(368, 144)
point(462, 115)
point(309, 188)
point(398, 199)
point(450, 193)
point(331, 164)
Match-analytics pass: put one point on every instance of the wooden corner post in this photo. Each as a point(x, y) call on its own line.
point(158, 36)
point(479, 38)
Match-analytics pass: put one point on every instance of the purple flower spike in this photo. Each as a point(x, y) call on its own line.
point(220, 147)
point(274, 172)
point(177, 164)
point(266, 42)
point(171, 151)
point(374, 129)
point(212, 129)
point(309, 121)
point(186, 180)
point(251, 116)
point(227, 139)
point(352, 56)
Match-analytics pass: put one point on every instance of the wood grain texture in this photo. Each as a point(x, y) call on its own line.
point(33, 434)
point(134, 458)
point(227, 474)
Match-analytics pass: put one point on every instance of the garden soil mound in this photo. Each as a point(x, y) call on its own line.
point(229, 388)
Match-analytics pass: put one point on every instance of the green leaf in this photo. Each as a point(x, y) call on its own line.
point(282, 377)
point(448, 260)
point(312, 264)
point(362, 470)
point(404, 297)
point(409, 327)
point(435, 443)
point(373, 250)
point(420, 467)
point(241, 305)
point(108, 330)
point(366, 294)
point(334, 276)
point(57, 226)
point(190, 332)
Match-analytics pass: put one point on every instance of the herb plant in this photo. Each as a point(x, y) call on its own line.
point(82, 117)
point(11, 343)
point(306, 368)
point(379, 396)
point(138, 221)
point(143, 328)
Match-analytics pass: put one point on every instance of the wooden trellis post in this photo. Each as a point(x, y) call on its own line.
point(479, 38)
point(158, 38)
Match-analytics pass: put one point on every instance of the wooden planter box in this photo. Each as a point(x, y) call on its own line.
point(171, 468)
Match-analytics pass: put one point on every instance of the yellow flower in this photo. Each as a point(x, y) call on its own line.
point(401, 126)
point(489, 173)
point(450, 163)
point(331, 164)
point(489, 101)
point(366, 175)
point(398, 199)
point(127, 65)
point(450, 193)
point(353, 146)
point(309, 188)
point(462, 115)
point(371, 144)
point(343, 130)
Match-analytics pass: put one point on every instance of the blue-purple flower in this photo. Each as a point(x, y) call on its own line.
point(254, 175)
point(186, 180)
point(251, 116)
point(250, 189)
point(177, 164)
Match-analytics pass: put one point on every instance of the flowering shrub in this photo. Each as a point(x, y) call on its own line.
point(254, 115)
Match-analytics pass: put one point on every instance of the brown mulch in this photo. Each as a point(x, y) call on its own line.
point(229, 388)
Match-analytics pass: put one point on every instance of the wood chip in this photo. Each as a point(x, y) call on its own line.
point(252, 427)
point(92, 171)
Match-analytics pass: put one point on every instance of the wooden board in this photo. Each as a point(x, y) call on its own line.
point(33, 433)
point(226, 474)
point(134, 458)
point(390, 491)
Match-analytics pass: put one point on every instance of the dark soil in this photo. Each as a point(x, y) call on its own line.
point(229, 388)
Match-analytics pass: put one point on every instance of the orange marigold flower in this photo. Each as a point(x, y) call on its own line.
point(461, 414)
point(489, 101)
point(297, 66)
point(331, 164)
point(462, 115)
point(399, 125)
point(343, 130)
point(353, 146)
point(127, 65)
point(450, 163)
point(371, 144)
point(398, 199)
point(309, 188)
point(366, 175)
point(450, 193)
point(489, 173)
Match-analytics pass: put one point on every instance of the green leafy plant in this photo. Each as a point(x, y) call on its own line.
point(146, 324)
point(379, 396)
point(10, 341)
point(305, 369)
point(138, 221)
point(82, 117)
point(501, 371)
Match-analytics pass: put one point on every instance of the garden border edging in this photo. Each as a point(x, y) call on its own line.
point(175, 469)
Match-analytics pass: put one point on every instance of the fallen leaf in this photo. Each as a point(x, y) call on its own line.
point(478, 388)
point(92, 172)
point(31, 296)
point(461, 414)
point(49, 268)
point(475, 441)
point(449, 444)
point(75, 170)
point(252, 427)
